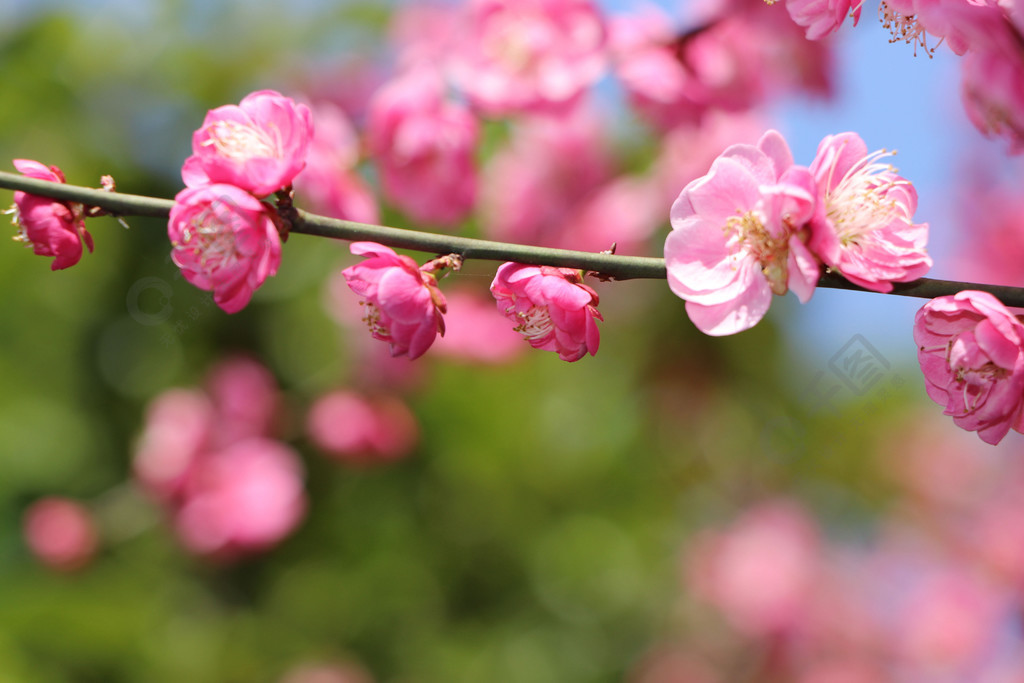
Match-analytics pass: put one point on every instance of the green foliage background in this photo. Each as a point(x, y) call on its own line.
point(534, 535)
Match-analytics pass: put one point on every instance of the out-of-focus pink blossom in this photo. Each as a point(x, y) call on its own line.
point(761, 572)
point(848, 671)
point(51, 227)
point(737, 237)
point(245, 498)
point(949, 619)
point(329, 182)
point(423, 145)
point(863, 226)
point(551, 308)
point(402, 304)
point(516, 56)
point(258, 145)
point(971, 351)
point(425, 33)
point(645, 60)
point(179, 428)
point(313, 672)
point(224, 240)
point(534, 185)
point(993, 94)
point(246, 398)
point(60, 532)
point(990, 244)
point(358, 429)
point(475, 332)
point(822, 17)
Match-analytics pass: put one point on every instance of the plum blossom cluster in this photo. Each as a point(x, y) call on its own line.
point(210, 459)
point(224, 237)
point(989, 35)
point(758, 225)
point(403, 305)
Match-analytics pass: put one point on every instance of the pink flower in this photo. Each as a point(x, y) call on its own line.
point(180, 424)
point(357, 429)
point(224, 240)
point(245, 498)
point(330, 182)
point(50, 227)
point(403, 305)
point(737, 237)
point(246, 398)
point(258, 145)
point(971, 351)
point(863, 224)
point(424, 147)
point(822, 17)
point(730, 570)
point(60, 532)
point(529, 55)
point(993, 94)
point(551, 307)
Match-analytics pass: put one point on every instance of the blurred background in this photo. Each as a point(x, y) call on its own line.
point(267, 496)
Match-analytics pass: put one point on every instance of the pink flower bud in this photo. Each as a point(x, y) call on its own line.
point(258, 145)
point(403, 305)
point(60, 533)
point(224, 240)
point(51, 227)
point(356, 429)
point(551, 307)
point(971, 351)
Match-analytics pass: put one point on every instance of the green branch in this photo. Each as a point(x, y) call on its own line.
point(605, 265)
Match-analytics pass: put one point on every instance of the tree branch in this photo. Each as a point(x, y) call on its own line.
point(604, 265)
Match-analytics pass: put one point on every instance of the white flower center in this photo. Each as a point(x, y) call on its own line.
point(209, 237)
point(240, 142)
point(535, 323)
point(860, 201)
point(747, 234)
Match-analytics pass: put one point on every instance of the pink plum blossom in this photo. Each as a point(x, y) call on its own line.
point(864, 225)
point(60, 532)
point(424, 146)
point(402, 303)
point(179, 426)
point(245, 498)
point(550, 307)
point(737, 237)
point(517, 56)
point(258, 145)
point(224, 240)
point(51, 227)
point(822, 17)
point(971, 351)
point(246, 398)
point(993, 94)
point(329, 182)
point(761, 572)
point(358, 429)
point(646, 63)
